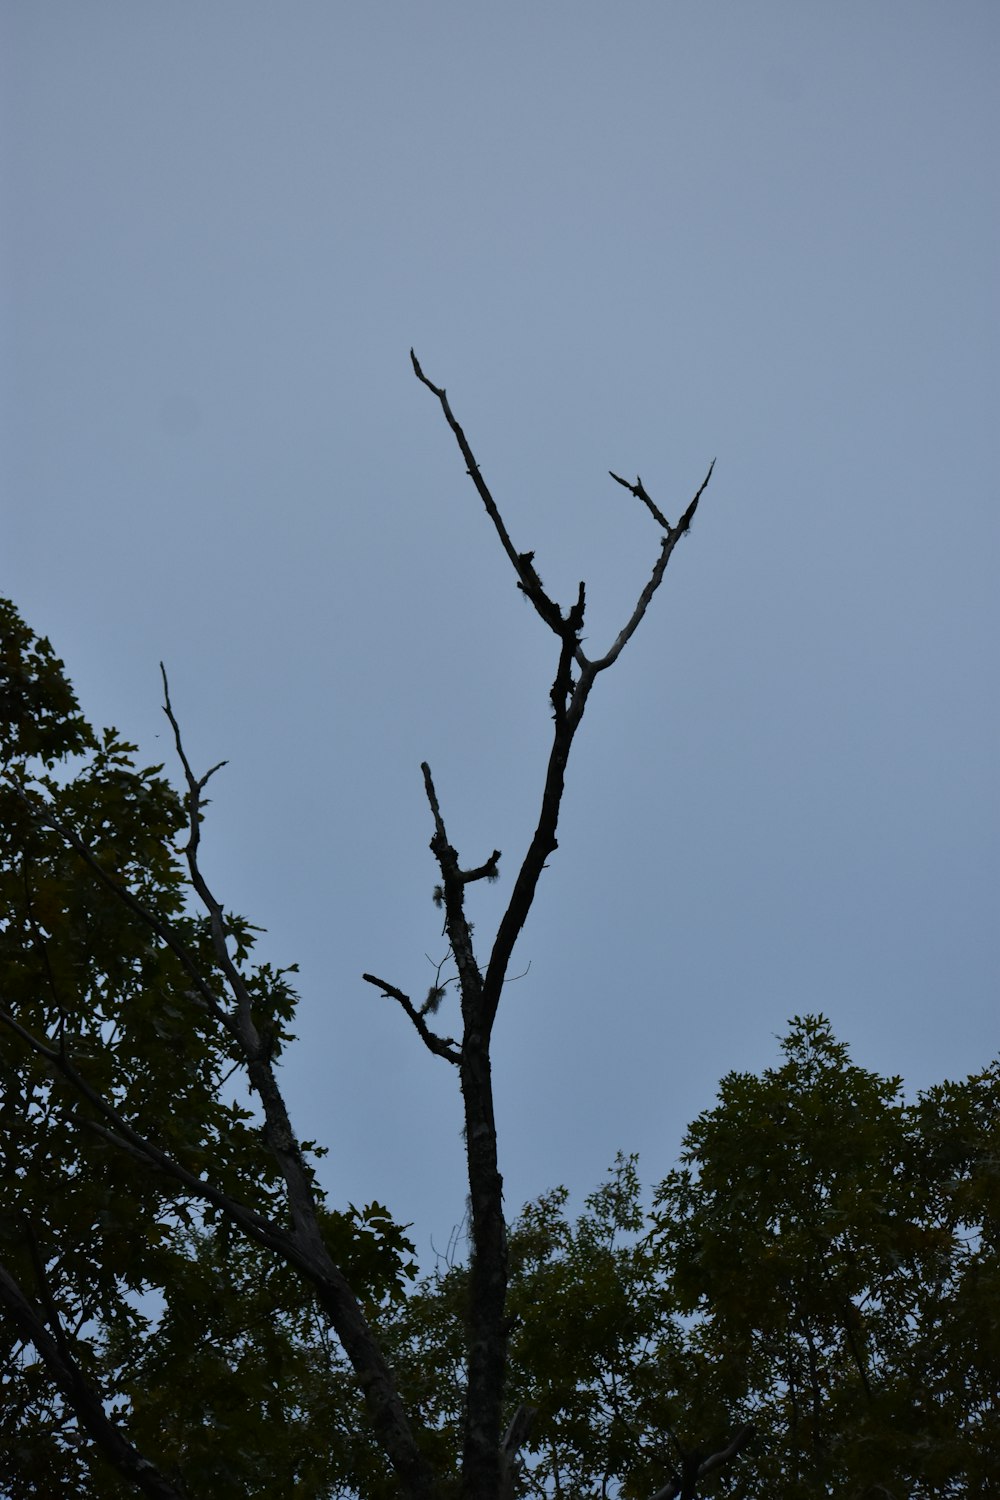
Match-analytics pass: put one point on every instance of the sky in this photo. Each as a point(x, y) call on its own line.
point(632, 238)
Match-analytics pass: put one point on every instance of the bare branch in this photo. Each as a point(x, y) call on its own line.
point(685, 521)
point(528, 579)
point(667, 546)
point(435, 805)
point(442, 1046)
point(517, 1434)
point(543, 841)
point(456, 922)
point(561, 692)
point(247, 1032)
point(488, 871)
point(639, 491)
point(278, 1129)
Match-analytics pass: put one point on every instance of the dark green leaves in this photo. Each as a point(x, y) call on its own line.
point(210, 1356)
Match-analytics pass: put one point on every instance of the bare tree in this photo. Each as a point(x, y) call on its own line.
point(490, 1460)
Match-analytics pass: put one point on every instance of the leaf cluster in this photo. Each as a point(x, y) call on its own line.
point(835, 1249)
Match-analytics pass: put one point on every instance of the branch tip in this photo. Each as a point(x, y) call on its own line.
point(418, 371)
point(685, 521)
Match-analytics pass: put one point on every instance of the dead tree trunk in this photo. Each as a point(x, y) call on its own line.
point(481, 987)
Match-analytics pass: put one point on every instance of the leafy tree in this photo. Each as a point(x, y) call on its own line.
point(822, 1268)
point(108, 1031)
point(837, 1250)
point(130, 999)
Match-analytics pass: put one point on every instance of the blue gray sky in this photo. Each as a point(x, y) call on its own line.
point(630, 237)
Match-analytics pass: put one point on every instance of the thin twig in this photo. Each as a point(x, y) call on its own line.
point(249, 1037)
point(685, 521)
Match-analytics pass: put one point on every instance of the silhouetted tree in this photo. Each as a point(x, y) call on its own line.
point(130, 997)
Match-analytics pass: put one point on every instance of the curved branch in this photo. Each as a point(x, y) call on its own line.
point(441, 1046)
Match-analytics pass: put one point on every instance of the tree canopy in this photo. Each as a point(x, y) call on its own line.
point(821, 1266)
point(88, 1232)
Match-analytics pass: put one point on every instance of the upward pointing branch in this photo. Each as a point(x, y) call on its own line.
point(528, 579)
point(486, 1470)
point(459, 929)
point(667, 545)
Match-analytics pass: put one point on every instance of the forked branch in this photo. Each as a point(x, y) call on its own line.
point(568, 624)
point(697, 1467)
point(487, 1464)
point(667, 545)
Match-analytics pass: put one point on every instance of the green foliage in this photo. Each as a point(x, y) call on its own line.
point(200, 1346)
point(837, 1252)
point(241, 1384)
point(40, 718)
point(823, 1264)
